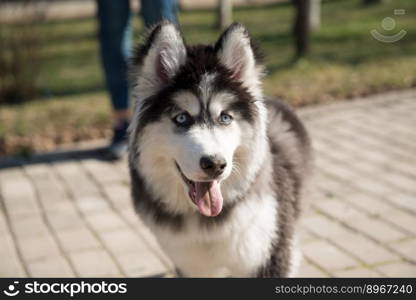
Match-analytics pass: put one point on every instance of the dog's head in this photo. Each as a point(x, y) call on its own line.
point(198, 113)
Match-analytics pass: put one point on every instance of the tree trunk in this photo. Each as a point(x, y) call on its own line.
point(225, 11)
point(301, 28)
point(315, 14)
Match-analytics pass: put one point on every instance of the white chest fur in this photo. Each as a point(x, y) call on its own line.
point(237, 247)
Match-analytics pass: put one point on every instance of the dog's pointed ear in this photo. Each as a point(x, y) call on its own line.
point(235, 51)
point(161, 56)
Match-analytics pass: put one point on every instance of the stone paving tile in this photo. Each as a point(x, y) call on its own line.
point(67, 220)
point(331, 186)
point(367, 203)
point(91, 204)
point(129, 215)
point(94, 263)
point(306, 237)
point(102, 171)
point(364, 249)
point(122, 166)
point(74, 217)
point(50, 267)
point(322, 226)
point(18, 195)
point(4, 228)
point(122, 240)
point(373, 227)
point(29, 226)
point(328, 256)
point(404, 200)
point(78, 239)
point(11, 174)
point(401, 219)
point(338, 209)
point(51, 192)
point(372, 187)
point(37, 247)
point(153, 245)
point(407, 249)
point(10, 264)
point(105, 221)
point(377, 229)
point(351, 242)
point(360, 272)
point(308, 270)
point(141, 264)
point(78, 182)
point(400, 269)
point(118, 195)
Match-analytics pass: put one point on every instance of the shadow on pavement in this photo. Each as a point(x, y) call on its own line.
point(98, 153)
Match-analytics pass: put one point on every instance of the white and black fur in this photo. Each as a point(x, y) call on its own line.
point(265, 150)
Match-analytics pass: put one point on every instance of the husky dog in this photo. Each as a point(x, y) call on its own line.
point(216, 170)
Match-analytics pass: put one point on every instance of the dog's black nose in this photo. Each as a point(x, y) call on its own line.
point(213, 165)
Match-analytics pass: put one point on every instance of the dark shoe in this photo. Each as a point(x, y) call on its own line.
point(118, 146)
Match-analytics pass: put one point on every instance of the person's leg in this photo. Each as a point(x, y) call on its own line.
point(115, 37)
point(153, 11)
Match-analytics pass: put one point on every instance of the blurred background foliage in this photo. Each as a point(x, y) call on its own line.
point(58, 67)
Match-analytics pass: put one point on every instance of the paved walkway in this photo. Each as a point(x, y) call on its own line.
point(69, 214)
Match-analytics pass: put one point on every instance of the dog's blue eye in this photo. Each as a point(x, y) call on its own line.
point(225, 119)
point(182, 119)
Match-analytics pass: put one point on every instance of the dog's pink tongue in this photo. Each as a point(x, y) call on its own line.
point(208, 198)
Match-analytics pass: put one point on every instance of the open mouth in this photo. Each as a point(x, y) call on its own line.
point(206, 195)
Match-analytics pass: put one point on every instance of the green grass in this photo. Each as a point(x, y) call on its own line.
point(345, 61)
point(42, 124)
